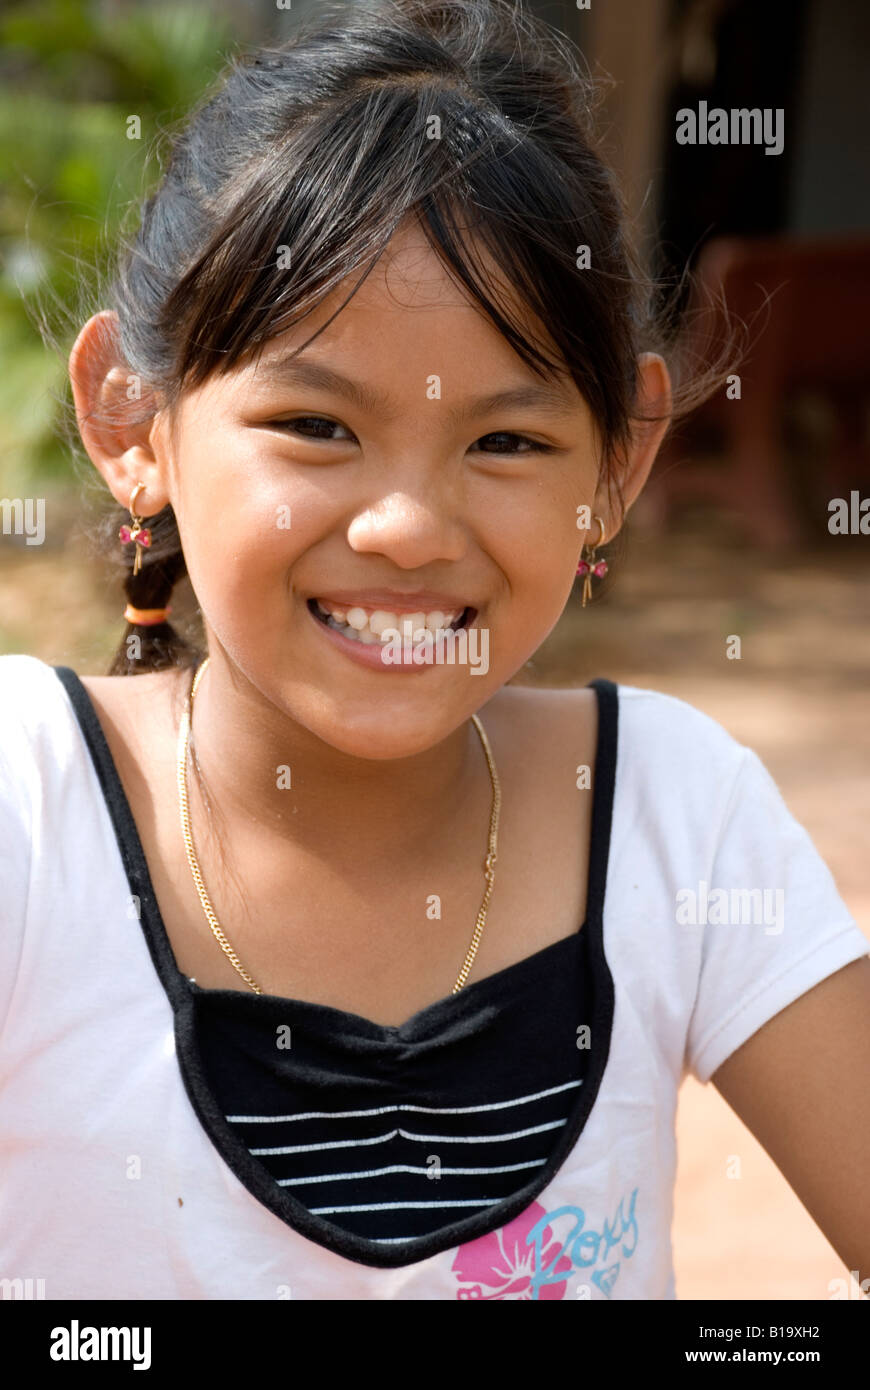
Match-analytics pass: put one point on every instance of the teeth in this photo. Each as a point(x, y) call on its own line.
point(380, 620)
point(369, 627)
point(358, 618)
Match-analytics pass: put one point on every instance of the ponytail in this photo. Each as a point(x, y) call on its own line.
point(155, 646)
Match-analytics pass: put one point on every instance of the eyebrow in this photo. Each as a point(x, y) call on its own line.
point(548, 399)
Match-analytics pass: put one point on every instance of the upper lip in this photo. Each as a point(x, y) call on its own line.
point(425, 600)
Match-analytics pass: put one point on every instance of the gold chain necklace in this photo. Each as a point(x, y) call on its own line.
point(489, 861)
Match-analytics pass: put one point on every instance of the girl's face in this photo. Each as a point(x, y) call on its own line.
point(379, 472)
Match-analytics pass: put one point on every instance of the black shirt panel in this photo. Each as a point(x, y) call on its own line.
point(392, 1133)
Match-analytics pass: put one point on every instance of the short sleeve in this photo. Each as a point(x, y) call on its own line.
point(15, 832)
point(771, 922)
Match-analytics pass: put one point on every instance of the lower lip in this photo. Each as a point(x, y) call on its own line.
point(369, 654)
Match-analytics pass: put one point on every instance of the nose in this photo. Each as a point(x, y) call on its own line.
point(408, 531)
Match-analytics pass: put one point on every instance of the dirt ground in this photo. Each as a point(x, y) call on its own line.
point(799, 695)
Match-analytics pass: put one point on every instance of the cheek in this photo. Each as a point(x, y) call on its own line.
point(540, 602)
point(537, 546)
point(246, 521)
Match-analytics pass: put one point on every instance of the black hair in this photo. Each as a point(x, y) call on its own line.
point(322, 146)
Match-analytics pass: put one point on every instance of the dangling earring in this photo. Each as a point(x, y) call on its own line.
point(136, 532)
point(592, 566)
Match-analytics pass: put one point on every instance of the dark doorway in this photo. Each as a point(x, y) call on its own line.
point(730, 54)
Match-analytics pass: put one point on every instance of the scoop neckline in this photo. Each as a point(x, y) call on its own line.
point(349, 1022)
point(184, 995)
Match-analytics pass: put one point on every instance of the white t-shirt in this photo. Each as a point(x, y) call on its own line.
point(717, 913)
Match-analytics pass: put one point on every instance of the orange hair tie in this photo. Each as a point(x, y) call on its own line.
point(146, 617)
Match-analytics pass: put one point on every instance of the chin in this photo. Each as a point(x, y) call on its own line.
point(378, 734)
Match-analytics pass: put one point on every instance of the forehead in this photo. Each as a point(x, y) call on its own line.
point(410, 291)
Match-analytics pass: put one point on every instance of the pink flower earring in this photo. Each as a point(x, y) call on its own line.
point(136, 532)
point(591, 566)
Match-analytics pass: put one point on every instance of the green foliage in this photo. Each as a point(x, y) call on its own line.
point(72, 72)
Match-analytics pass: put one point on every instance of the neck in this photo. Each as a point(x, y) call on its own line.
point(239, 743)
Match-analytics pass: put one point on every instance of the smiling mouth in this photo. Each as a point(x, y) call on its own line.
point(380, 626)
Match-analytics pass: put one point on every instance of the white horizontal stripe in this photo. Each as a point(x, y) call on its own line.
point(402, 1206)
point(409, 1168)
point(393, 1109)
point(481, 1138)
point(332, 1144)
point(406, 1134)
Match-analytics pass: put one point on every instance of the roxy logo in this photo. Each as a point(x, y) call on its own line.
point(76, 1343)
point(739, 126)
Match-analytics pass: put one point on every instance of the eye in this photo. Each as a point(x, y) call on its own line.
point(320, 426)
point(533, 445)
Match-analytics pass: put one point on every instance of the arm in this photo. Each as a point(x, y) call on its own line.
point(801, 1084)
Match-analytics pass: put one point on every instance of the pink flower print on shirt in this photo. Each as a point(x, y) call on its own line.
point(501, 1263)
point(525, 1259)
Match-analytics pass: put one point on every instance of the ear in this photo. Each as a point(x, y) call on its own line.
point(115, 416)
point(654, 398)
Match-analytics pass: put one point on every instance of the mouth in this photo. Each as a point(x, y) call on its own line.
point(379, 626)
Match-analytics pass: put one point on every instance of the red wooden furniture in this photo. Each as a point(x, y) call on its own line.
point(813, 332)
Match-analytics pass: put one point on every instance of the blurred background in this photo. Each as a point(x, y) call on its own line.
point(733, 535)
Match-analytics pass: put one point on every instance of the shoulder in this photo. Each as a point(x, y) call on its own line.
point(134, 714)
point(127, 701)
point(40, 734)
point(21, 672)
point(31, 688)
point(36, 740)
point(672, 747)
point(543, 725)
point(654, 711)
point(656, 733)
point(636, 703)
point(521, 704)
point(30, 697)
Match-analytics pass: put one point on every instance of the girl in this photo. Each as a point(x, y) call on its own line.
point(333, 965)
